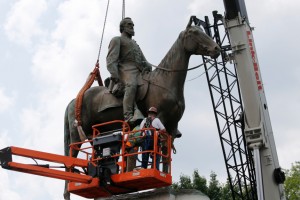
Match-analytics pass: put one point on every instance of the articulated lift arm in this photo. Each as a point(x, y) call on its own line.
point(258, 130)
point(69, 162)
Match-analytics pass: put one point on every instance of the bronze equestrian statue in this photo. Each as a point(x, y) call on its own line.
point(162, 88)
point(125, 62)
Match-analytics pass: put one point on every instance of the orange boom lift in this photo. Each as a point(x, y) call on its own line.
point(103, 171)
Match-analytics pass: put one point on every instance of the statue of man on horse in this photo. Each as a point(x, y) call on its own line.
point(162, 88)
point(125, 62)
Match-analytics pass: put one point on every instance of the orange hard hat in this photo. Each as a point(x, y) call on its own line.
point(153, 110)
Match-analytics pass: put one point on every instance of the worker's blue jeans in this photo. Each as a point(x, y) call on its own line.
point(148, 145)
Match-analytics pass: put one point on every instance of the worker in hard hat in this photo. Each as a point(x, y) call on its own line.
point(151, 122)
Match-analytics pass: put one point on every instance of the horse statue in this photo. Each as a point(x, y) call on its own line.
point(162, 88)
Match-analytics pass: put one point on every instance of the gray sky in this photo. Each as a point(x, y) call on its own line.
point(49, 47)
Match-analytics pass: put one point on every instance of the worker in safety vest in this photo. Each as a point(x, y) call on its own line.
point(125, 62)
point(133, 141)
point(151, 122)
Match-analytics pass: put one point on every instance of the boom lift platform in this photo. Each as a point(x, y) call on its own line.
point(104, 170)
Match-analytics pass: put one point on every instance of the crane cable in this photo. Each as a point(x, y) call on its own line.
point(103, 31)
point(95, 75)
point(123, 16)
point(123, 10)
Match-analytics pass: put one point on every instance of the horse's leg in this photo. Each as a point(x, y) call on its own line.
point(164, 150)
point(70, 136)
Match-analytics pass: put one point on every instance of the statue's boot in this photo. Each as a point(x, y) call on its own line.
point(134, 118)
point(128, 117)
point(138, 115)
point(131, 112)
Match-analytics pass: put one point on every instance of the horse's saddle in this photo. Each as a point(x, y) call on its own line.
point(108, 100)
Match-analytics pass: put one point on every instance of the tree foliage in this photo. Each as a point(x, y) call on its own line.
point(292, 182)
point(226, 191)
point(214, 187)
point(217, 191)
point(199, 182)
point(185, 182)
point(213, 190)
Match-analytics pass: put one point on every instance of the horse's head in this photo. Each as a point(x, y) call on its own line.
point(197, 42)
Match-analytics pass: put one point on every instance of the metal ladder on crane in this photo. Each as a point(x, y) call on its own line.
point(227, 106)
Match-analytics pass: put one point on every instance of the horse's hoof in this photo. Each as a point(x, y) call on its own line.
point(178, 135)
point(67, 196)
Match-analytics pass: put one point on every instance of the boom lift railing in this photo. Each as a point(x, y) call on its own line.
point(227, 105)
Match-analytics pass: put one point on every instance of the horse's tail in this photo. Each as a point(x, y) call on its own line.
point(66, 132)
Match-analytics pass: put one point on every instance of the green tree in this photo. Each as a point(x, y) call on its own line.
point(226, 193)
point(214, 187)
point(199, 182)
point(238, 194)
point(185, 182)
point(292, 182)
point(217, 191)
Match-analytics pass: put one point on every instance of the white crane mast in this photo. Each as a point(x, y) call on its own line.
point(258, 129)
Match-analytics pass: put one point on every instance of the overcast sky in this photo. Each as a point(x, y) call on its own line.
point(49, 47)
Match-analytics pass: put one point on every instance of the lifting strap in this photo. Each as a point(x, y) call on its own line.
point(94, 75)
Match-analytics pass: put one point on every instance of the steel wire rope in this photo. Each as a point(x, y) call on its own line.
point(101, 40)
point(123, 10)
